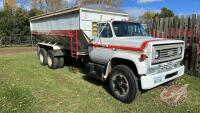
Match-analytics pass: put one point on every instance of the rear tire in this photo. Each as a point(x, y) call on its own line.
point(51, 60)
point(123, 84)
point(61, 62)
point(38, 50)
point(42, 54)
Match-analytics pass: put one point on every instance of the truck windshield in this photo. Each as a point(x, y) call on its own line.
point(123, 29)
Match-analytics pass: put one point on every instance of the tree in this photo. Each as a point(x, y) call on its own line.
point(35, 12)
point(22, 26)
point(23, 3)
point(108, 2)
point(33, 4)
point(49, 5)
point(2, 25)
point(147, 16)
point(10, 4)
point(14, 25)
point(165, 12)
point(53, 5)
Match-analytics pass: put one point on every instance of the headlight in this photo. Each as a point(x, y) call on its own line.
point(180, 50)
point(157, 54)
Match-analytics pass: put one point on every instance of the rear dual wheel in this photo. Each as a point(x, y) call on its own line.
point(42, 53)
point(54, 62)
point(48, 58)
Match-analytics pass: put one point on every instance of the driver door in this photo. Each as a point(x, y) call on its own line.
point(99, 52)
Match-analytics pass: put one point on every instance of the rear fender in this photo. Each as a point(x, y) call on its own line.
point(57, 50)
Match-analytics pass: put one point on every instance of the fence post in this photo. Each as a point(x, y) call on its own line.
point(176, 23)
point(198, 40)
point(171, 27)
point(192, 29)
point(183, 28)
point(161, 28)
point(194, 61)
point(182, 24)
point(157, 27)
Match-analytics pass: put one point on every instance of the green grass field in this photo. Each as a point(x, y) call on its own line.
point(28, 87)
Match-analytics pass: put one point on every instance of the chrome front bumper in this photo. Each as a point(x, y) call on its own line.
point(153, 80)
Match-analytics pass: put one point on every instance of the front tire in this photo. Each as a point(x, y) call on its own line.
point(123, 84)
point(51, 60)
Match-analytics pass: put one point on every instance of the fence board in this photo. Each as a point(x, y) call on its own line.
point(198, 39)
point(182, 24)
point(192, 31)
point(176, 27)
point(171, 26)
point(185, 28)
point(161, 28)
point(185, 31)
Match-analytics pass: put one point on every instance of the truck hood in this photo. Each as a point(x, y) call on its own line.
point(141, 42)
point(138, 39)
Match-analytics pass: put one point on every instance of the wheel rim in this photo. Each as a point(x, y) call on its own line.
point(120, 85)
point(49, 60)
point(41, 58)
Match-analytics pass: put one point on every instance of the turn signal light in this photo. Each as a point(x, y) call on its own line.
point(143, 57)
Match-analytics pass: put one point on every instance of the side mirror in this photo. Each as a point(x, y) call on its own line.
point(91, 40)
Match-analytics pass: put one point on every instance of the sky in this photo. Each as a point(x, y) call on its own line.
point(180, 7)
point(137, 7)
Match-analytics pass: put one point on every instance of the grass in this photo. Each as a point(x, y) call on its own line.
point(28, 87)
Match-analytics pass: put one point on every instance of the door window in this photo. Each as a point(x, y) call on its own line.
point(105, 30)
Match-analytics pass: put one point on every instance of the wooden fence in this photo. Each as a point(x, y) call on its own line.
point(9, 41)
point(185, 28)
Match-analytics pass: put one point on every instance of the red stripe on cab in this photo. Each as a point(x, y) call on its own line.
point(128, 48)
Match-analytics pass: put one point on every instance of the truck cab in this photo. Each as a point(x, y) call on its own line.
point(125, 48)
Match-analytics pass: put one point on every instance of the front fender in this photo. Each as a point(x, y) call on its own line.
point(134, 57)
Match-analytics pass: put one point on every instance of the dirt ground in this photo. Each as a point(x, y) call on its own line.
point(16, 50)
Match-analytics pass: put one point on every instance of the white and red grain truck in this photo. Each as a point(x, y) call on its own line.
point(114, 49)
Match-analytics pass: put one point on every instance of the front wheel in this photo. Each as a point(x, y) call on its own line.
point(123, 84)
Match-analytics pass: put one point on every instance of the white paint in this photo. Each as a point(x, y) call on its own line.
point(147, 81)
point(80, 20)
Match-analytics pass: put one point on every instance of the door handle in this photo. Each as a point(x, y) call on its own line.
point(104, 45)
point(114, 49)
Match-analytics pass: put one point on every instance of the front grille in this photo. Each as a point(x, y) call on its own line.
point(168, 52)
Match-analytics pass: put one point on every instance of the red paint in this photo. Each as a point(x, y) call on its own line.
point(138, 49)
point(74, 50)
point(62, 33)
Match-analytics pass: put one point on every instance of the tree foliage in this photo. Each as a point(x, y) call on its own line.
point(10, 4)
point(147, 16)
point(49, 5)
point(165, 12)
point(14, 20)
point(16, 24)
point(107, 2)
